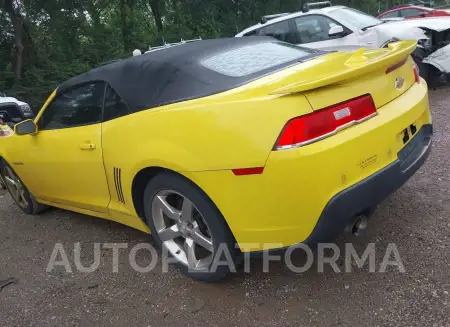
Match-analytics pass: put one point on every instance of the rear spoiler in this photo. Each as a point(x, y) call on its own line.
point(344, 66)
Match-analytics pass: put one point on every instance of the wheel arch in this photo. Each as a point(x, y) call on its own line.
point(3, 162)
point(139, 183)
point(2, 182)
point(391, 40)
point(144, 176)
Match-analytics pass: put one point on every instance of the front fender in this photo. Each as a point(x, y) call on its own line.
point(10, 148)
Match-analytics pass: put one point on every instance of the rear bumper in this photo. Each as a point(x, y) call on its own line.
point(367, 194)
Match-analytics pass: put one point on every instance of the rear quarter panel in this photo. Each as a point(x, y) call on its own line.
point(235, 129)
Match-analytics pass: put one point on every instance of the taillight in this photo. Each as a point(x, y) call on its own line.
point(326, 122)
point(416, 74)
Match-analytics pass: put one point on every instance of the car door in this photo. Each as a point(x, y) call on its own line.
point(63, 163)
point(313, 31)
point(115, 138)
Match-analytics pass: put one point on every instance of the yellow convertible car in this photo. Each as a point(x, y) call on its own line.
point(243, 144)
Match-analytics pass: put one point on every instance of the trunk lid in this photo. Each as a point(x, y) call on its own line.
point(385, 74)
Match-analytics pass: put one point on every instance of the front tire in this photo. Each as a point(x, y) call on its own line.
point(19, 191)
point(188, 226)
point(2, 183)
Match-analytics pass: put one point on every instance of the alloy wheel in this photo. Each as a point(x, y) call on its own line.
point(15, 187)
point(182, 229)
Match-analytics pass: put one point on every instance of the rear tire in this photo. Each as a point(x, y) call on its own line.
point(183, 221)
point(19, 192)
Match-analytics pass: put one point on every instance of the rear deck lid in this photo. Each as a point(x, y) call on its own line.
point(385, 74)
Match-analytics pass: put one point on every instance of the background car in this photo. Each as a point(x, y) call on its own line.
point(13, 111)
point(410, 11)
point(331, 27)
point(342, 28)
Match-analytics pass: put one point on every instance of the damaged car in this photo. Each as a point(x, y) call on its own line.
point(433, 52)
point(326, 27)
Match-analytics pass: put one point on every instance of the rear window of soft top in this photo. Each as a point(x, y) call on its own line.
point(256, 58)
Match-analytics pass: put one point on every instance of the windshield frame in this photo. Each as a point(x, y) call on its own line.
point(348, 12)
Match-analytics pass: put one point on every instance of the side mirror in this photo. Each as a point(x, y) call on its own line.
point(336, 30)
point(26, 127)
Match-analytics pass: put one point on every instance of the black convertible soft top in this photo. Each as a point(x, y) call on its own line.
point(192, 70)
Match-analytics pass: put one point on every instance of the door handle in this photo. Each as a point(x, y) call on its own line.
point(87, 146)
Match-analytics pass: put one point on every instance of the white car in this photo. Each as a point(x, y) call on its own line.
point(13, 111)
point(342, 28)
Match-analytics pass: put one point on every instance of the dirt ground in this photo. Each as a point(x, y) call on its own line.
point(416, 218)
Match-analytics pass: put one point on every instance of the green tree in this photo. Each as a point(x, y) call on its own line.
point(44, 42)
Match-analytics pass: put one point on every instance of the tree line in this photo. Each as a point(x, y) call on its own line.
point(44, 42)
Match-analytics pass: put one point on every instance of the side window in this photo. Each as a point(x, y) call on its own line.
point(254, 32)
point(313, 28)
point(279, 31)
point(81, 105)
point(410, 12)
point(392, 14)
point(114, 107)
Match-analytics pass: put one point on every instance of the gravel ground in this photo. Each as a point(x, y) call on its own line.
point(415, 218)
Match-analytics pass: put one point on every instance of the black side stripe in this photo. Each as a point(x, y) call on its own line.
point(118, 184)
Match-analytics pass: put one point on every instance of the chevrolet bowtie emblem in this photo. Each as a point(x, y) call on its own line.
point(399, 81)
